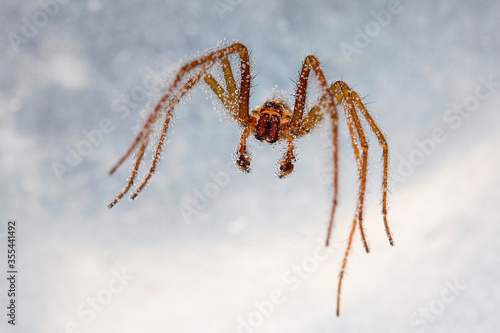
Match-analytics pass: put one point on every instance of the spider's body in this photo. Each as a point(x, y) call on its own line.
point(272, 122)
point(269, 123)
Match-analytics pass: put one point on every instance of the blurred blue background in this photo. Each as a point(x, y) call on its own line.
point(205, 248)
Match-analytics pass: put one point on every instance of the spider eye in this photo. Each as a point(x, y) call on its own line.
point(272, 105)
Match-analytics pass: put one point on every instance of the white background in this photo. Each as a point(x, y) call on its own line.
point(68, 65)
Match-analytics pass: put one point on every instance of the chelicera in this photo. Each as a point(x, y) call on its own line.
point(272, 122)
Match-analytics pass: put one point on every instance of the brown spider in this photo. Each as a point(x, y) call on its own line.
point(273, 122)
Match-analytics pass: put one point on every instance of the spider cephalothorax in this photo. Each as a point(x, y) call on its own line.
point(274, 121)
point(270, 123)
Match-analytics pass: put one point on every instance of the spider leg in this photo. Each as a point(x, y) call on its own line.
point(231, 86)
point(244, 89)
point(355, 145)
point(140, 156)
point(351, 100)
point(361, 161)
point(330, 95)
point(218, 90)
point(131, 148)
point(173, 103)
point(174, 95)
point(230, 100)
point(311, 62)
point(385, 156)
point(344, 264)
point(242, 159)
point(286, 164)
point(315, 115)
point(310, 121)
point(211, 57)
point(299, 126)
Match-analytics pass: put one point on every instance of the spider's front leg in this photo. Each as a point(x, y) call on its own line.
point(242, 157)
point(237, 105)
point(286, 164)
point(301, 125)
point(184, 81)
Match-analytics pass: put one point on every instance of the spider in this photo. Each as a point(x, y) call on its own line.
point(272, 122)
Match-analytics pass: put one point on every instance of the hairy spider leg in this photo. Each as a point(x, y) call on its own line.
point(244, 96)
point(168, 102)
point(175, 100)
point(329, 97)
point(362, 162)
point(344, 263)
point(286, 164)
point(230, 98)
point(337, 89)
point(358, 141)
point(315, 115)
point(231, 88)
point(311, 62)
point(168, 109)
point(230, 101)
point(385, 156)
point(351, 98)
point(313, 118)
point(241, 157)
point(341, 88)
point(140, 156)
